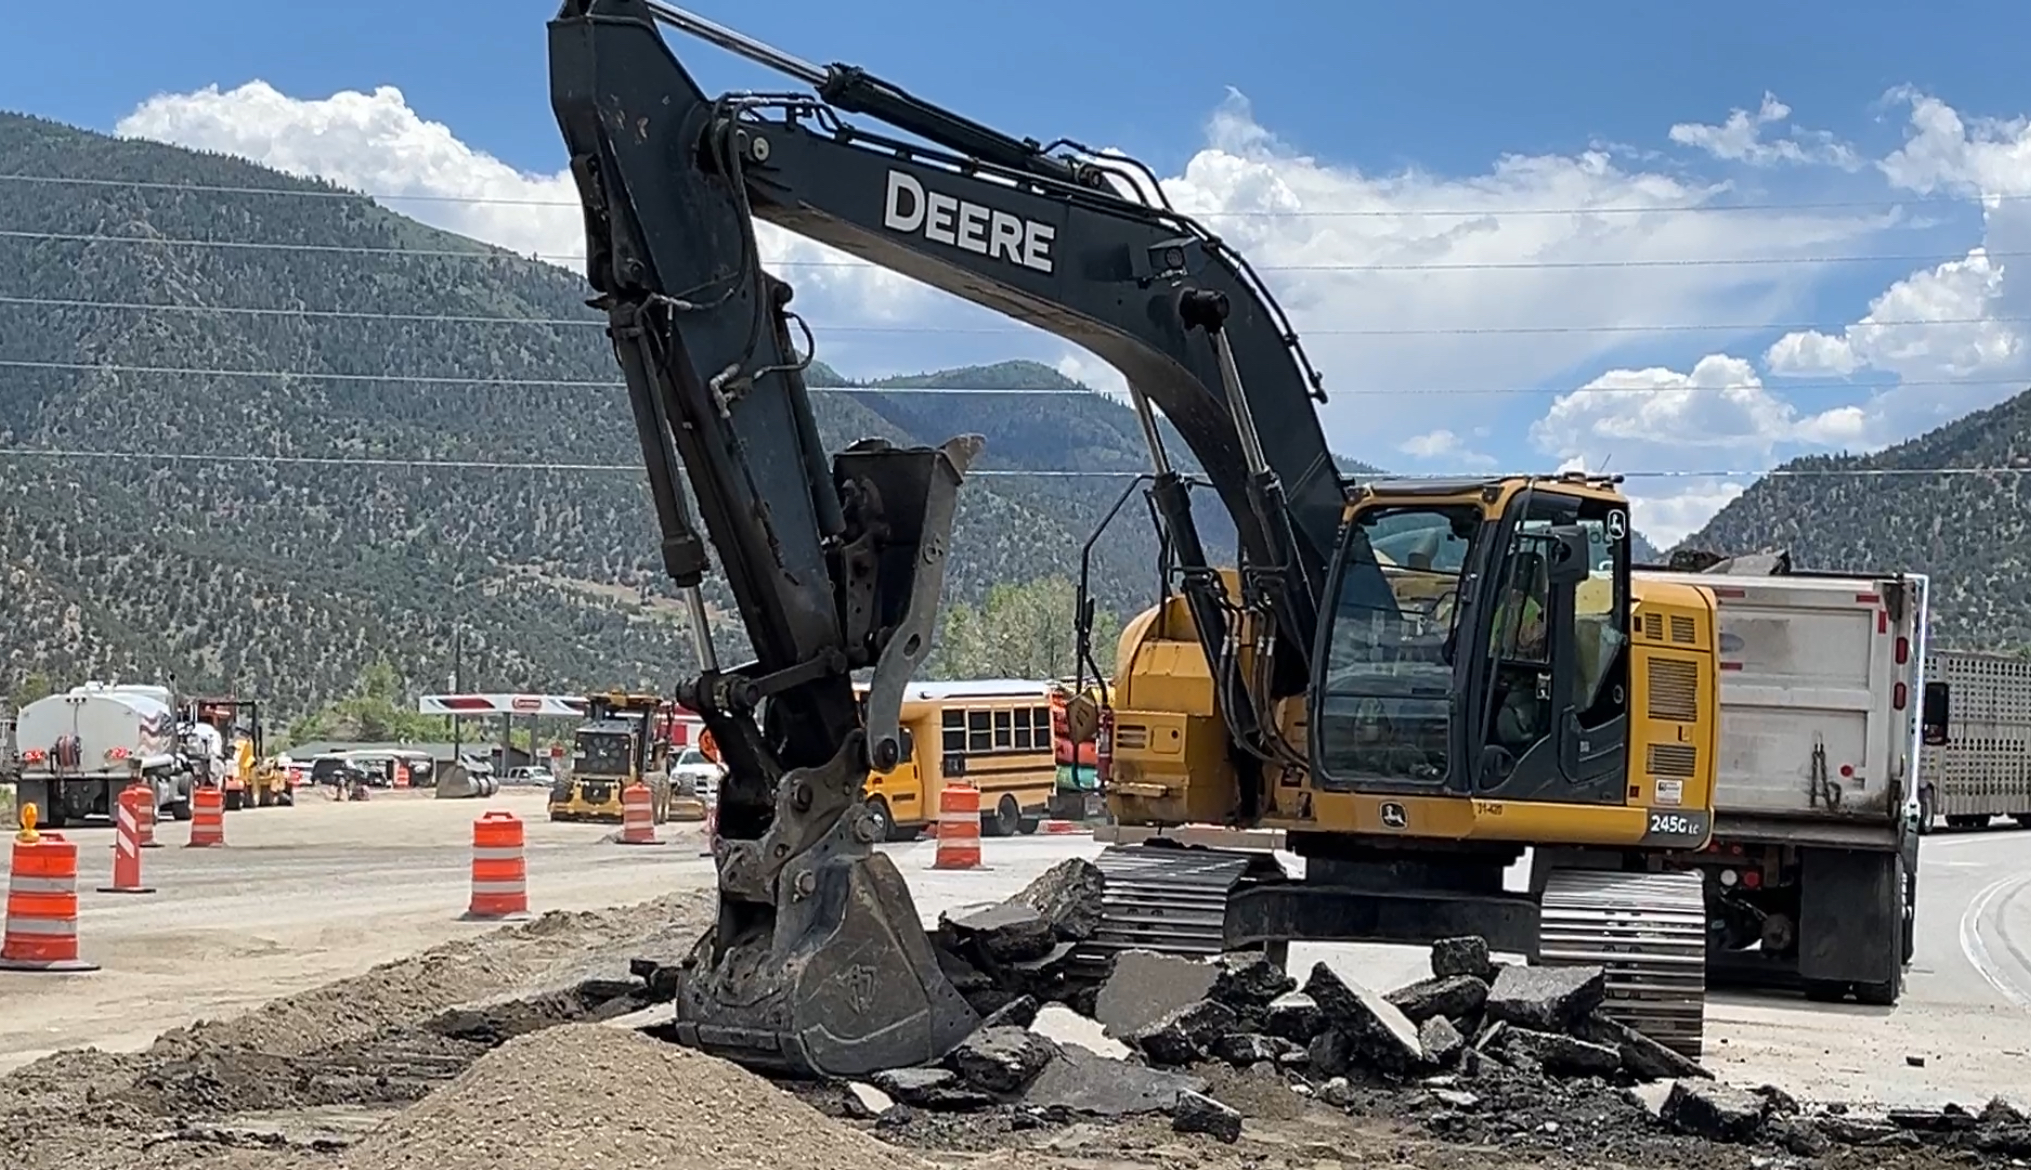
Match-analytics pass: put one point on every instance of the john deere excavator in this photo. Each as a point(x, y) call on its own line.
point(1415, 680)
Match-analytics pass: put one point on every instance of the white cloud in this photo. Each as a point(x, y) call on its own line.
point(1443, 444)
point(1935, 323)
point(1240, 183)
point(1084, 368)
point(1668, 517)
point(375, 142)
point(1720, 413)
point(1740, 139)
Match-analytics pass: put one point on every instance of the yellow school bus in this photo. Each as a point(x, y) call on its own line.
point(994, 734)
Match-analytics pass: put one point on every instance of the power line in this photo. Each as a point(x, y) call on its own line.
point(1344, 213)
point(1443, 266)
point(616, 384)
point(587, 323)
point(435, 464)
point(617, 468)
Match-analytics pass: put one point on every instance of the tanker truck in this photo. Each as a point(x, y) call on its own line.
point(79, 749)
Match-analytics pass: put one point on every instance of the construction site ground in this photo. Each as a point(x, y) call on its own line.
point(327, 940)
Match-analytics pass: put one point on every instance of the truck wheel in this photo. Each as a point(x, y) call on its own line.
point(286, 798)
point(180, 811)
point(235, 800)
point(1007, 818)
point(1029, 825)
point(1924, 811)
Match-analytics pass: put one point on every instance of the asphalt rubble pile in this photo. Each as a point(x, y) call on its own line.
point(1480, 1051)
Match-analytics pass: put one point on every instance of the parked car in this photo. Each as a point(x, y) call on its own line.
point(700, 771)
point(533, 776)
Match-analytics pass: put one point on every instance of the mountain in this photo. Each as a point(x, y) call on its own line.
point(218, 474)
point(1970, 532)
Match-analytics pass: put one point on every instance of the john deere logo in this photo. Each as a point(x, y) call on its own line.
point(1393, 816)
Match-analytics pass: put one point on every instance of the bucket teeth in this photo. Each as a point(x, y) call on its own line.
point(1648, 931)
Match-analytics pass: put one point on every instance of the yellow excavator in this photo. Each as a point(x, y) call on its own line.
point(1416, 681)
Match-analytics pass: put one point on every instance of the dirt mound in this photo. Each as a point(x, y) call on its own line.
point(593, 1097)
point(383, 1038)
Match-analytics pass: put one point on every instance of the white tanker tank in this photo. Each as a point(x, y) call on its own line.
point(79, 749)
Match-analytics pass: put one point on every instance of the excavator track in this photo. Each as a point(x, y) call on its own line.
point(1649, 931)
point(1168, 898)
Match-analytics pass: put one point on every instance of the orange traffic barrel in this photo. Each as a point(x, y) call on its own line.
point(127, 842)
point(500, 877)
point(42, 903)
point(638, 816)
point(958, 828)
point(207, 816)
point(144, 813)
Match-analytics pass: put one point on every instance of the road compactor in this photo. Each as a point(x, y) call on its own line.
point(1353, 680)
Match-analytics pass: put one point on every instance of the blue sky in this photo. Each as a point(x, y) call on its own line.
point(1402, 113)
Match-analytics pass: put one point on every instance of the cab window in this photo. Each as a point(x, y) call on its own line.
point(1384, 710)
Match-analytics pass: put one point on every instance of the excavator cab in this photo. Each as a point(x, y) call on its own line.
point(1478, 647)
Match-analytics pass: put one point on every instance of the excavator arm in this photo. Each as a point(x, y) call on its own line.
point(837, 566)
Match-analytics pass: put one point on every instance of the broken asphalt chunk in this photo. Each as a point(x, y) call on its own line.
point(930, 1088)
point(1380, 1034)
point(1001, 1060)
point(1714, 1111)
point(1067, 896)
point(1007, 933)
point(1248, 982)
point(1463, 956)
point(1546, 999)
point(1143, 987)
point(1449, 995)
point(1441, 1040)
point(1562, 1055)
point(1294, 1016)
point(1198, 1113)
point(1019, 1012)
point(1643, 1057)
point(1242, 1049)
point(1080, 1082)
point(1185, 1035)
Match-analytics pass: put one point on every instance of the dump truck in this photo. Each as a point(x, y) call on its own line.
point(1812, 872)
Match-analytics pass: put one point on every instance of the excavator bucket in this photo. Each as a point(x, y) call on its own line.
point(833, 975)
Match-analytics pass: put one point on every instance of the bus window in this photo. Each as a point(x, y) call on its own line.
point(1933, 715)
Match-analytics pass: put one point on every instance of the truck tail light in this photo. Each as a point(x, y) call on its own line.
point(1899, 695)
point(1903, 650)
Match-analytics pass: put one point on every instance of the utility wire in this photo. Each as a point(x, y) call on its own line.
point(591, 323)
point(620, 468)
point(1347, 213)
point(1420, 266)
point(616, 384)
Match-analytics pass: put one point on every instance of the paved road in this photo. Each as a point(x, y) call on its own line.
point(303, 896)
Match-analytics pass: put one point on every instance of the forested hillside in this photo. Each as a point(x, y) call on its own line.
point(260, 500)
point(1969, 529)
